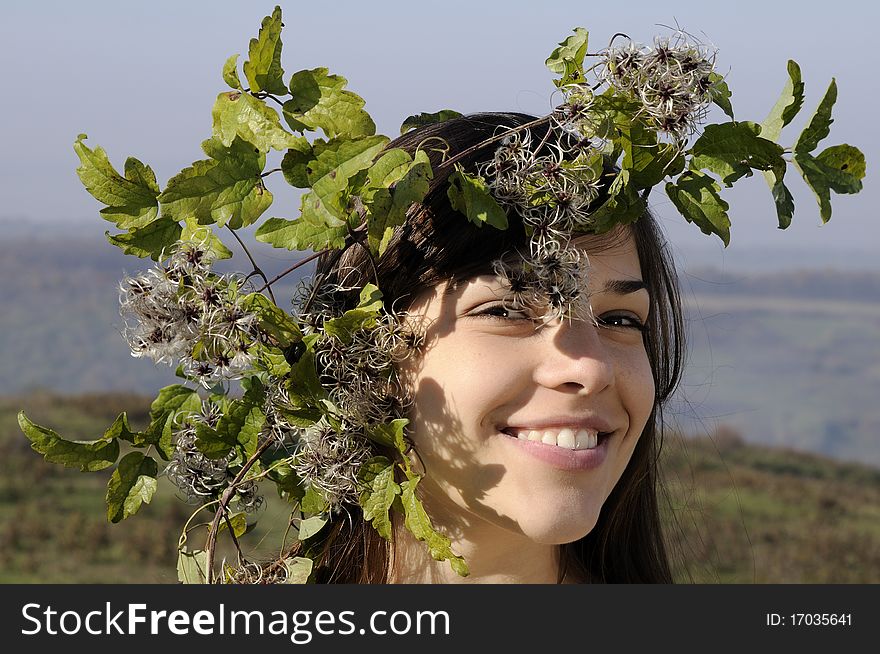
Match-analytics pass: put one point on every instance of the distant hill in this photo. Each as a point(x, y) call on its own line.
point(788, 359)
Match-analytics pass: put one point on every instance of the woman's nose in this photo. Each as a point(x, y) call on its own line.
point(574, 359)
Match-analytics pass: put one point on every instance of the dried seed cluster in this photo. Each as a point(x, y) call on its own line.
point(180, 311)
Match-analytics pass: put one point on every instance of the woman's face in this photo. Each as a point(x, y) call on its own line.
point(525, 429)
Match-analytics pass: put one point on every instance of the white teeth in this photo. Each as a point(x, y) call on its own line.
point(587, 440)
point(566, 437)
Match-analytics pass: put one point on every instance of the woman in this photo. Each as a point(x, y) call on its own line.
point(505, 403)
point(477, 376)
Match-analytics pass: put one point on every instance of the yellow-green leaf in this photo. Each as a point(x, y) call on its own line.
point(320, 101)
point(378, 493)
point(419, 524)
point(237, 114)
point(230, 72)
point(85, 455)
point(697, 197)
point(298, 569)
point(131, 198)
point(226, 188)
point(820, 123)
point(192, 566)
point(131, 485)
point(470, 195)
point(263, 67)
point(787, 106)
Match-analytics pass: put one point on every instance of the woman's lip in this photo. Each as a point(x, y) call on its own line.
point(560, 457)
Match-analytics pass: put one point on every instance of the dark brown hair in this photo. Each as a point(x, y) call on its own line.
point(438, 244)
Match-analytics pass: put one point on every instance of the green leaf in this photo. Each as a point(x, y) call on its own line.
point(173, 402)
point(273, 320)
point(226, 188)
point(131, 199)
point(295, 165)
point(154, 240)
point(732, 150)
point(239, 524)
point(304, 387)
point(241, 115)
point(782, 197)
point(379, 490)
point(420, 120)
point(389, 204)
point(336, 162)
point(308, 232)
point(787, 106)
point(299, 568)
point(195, 233)
point(720, 93)
point(389, 434)
point(313, 502)
point(192, 566)
point(230, 72)
point(567, 60)
point(88, 456)
point(240, 425)
point(623, 206)
point(321, 101)
point(647, 160)
point(470, 195)
point(419, 524)
point(844, 165)
point(131, 485)
point(311, 526)
point(839, 168)
point(820, 123)
point(286, 481)
point(361, 317)
point(120, 429)
point(323, 222)
point(263, 67)
point(697, 197)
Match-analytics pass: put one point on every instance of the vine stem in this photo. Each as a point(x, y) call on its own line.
point(262, 95)
point(221, 509)
point(468, 151)
point(257, 269)
point(298, 264)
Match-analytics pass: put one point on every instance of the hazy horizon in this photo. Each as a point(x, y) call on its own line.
point(140, 80)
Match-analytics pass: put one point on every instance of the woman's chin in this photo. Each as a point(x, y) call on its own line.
point(559, 529)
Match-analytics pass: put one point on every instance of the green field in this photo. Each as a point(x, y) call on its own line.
point(734, 512)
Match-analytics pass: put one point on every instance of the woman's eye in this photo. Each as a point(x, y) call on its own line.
point(501, 312)
point(622, 320)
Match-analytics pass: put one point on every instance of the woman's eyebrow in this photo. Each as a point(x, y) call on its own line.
point(623, 286)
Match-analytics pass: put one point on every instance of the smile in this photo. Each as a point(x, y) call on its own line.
point(569, 438)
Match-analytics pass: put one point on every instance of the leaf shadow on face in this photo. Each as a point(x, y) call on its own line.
point(456, 484)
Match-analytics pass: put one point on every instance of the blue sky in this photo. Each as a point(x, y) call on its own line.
point(140, 79)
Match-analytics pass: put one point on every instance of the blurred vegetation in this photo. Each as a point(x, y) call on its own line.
point(742, 513)
point(735, 512)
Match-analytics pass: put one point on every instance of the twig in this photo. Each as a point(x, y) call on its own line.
point(468, 151)
point(257, 269)
point(302, 262)
point(221, 509)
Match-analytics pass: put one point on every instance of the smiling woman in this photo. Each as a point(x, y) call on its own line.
point(537, 434)
point(471, 387)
